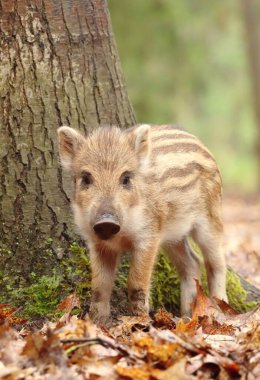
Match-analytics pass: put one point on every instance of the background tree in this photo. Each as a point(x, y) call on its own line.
point(192, 70)
point(58, 65)
point(251, 14)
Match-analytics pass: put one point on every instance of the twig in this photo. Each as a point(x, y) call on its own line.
point(92, 341)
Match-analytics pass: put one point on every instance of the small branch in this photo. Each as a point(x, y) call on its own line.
point(92, 341)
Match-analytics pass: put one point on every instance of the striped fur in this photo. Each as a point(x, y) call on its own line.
point(174, 192)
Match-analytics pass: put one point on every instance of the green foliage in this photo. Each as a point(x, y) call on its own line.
point(185, 62)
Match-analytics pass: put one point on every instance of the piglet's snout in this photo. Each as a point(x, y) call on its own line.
point(106, 226)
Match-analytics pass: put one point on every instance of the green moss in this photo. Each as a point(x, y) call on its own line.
point(166, 288)
point(237, 295)
point(42, 294)
point(76, 269)
point(40, 298)
point(165, 285)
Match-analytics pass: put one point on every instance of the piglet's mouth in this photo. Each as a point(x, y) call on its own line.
point(106, 226)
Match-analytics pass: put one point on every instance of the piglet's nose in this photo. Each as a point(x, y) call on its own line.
point(106, 227)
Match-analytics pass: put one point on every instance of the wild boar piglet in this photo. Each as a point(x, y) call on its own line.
point(138, 190)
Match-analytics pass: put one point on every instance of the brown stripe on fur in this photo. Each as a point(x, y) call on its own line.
point(185, 187)
point(184, 171)
point(214, 177)
point(185, 147)
point(216, 190)
point(173, 136)
point(207, 174)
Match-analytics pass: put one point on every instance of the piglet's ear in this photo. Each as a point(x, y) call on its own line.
point(142, 142)
point(69, 143)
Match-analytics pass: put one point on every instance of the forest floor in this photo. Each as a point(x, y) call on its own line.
point(215, 343)
point(242, 236)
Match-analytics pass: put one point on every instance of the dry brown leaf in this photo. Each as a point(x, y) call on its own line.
point(249, 319)
point(202, 362)
point(40, 349)
point(135, 373)
point(164, 319)
point(225, 307)
point(202, 305)
point(127, 325)
point(8, 314)
point(176, 372)
point(213, 327)
point(67, 305)
point(33, 347)
point(189, 327)
point(205, 347)
point(158, 351)
point(99, 369)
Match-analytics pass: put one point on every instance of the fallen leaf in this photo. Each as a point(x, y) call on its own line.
point(202, 305)
point(225, 307)
point(176, 372)
point(8, 314)
point(161, 351)
point(123, 331)
point(163, 319)
point(67, 305)
point(40, 349)
point(189, 327)
point(198, 361)
point(101, 369)
point(251, 318)
point(135, 373)
point(212, 326)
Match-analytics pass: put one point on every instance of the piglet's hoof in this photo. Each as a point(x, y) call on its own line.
point(138, 304)
point(100, 320)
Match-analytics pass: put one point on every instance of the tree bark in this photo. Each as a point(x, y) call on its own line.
point(58, 65)
point(251, 14)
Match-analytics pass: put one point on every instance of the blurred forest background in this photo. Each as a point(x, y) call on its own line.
point(187, 63)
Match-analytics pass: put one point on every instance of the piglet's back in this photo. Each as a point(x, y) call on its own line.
point(181, 163)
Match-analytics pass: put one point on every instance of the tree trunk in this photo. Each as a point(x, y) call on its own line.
point(58, 65)
point(251, 15)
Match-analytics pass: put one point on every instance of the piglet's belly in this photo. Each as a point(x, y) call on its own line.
point(176, 230)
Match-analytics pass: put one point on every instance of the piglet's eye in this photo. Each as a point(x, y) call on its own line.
point(86, 179)
point(126, 179)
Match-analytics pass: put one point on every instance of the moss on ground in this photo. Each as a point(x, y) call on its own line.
point(237, 295)
point(166, 288)
point(42, 295)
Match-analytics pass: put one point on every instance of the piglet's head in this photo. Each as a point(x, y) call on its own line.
point(108, 167)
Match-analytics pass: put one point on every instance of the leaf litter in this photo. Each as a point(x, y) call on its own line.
point(216, 343)
point(242, 235)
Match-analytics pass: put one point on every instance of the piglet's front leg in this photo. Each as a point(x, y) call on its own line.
point(103, 266)
point(139, 279)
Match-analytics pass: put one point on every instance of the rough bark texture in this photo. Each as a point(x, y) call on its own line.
point(251, 14)
point(58, 65)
